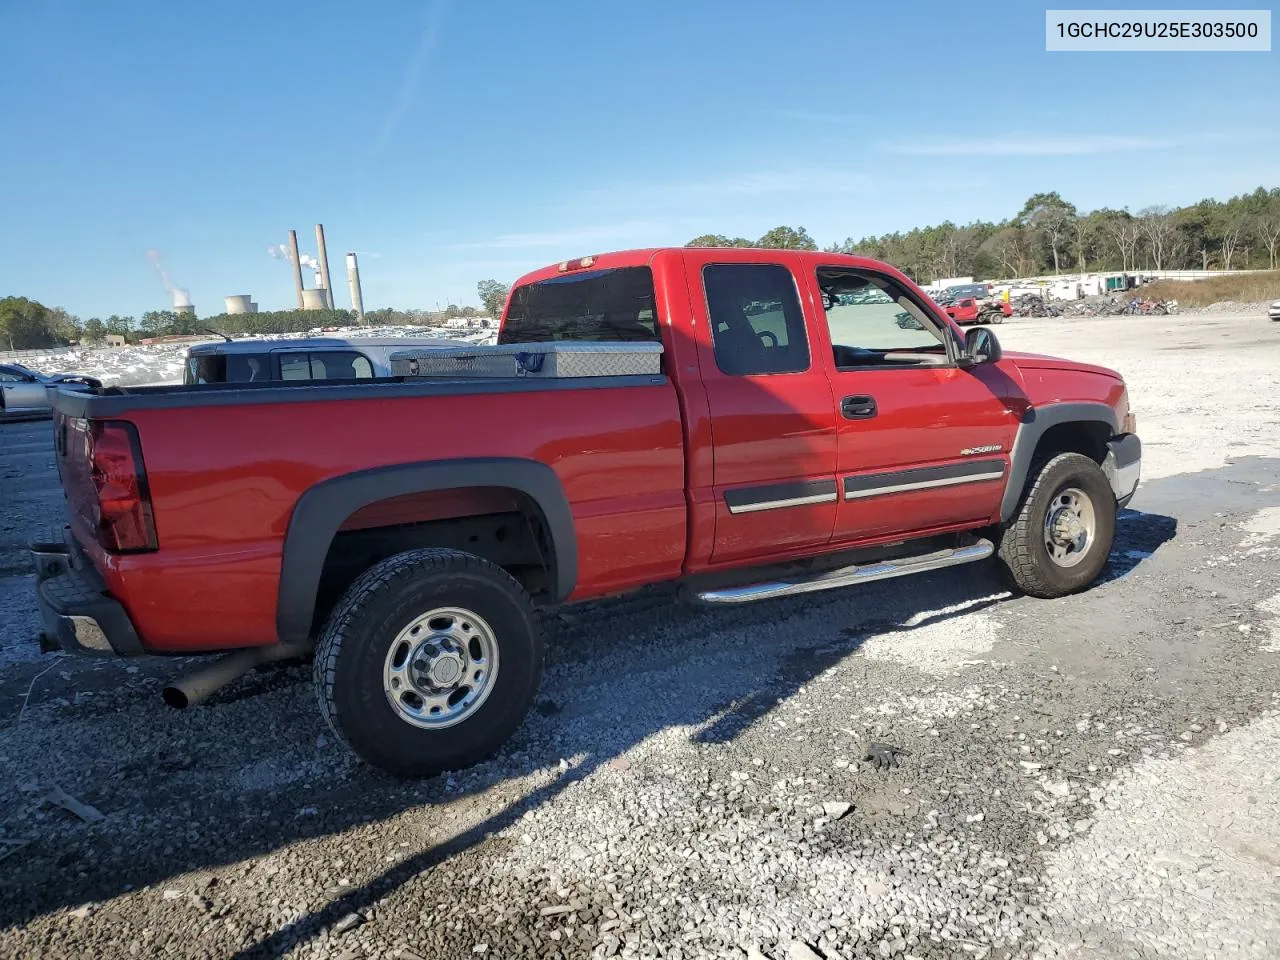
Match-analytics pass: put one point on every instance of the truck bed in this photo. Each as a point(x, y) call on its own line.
point(226, 465)
point(114, 401)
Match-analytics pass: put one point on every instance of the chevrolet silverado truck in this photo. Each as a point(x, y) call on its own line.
point(794, 434)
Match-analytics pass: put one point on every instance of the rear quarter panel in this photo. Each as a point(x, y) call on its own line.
point(224, 481)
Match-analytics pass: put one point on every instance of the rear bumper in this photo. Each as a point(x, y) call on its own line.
point(78, 614)
point(1123, 467)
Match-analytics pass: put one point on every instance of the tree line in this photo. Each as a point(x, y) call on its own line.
point(1050, 235)
point(30, 325)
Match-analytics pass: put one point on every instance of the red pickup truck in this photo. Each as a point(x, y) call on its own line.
point(817, 421)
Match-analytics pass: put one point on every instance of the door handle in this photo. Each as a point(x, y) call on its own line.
point(860, 407)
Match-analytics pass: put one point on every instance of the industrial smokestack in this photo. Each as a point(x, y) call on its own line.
point(353, 279)
point(297, 266)
point(323, 253)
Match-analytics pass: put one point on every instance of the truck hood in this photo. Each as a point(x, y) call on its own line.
point(1038, 361)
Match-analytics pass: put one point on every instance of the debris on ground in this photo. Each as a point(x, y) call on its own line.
point(60, 798)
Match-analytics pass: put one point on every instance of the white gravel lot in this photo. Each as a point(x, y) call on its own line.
point(1205, 386)
point(1089, 777)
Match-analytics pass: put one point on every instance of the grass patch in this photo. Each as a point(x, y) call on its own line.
point(1244, 288)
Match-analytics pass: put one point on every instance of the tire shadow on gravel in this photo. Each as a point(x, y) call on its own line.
point(1138, 536)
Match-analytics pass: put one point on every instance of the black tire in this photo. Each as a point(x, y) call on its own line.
point(354, 648)
point(1022, 542)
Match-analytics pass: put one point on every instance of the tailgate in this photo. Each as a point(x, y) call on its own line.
point(71, 450)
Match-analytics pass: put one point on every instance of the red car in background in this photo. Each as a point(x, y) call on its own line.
point(974, 303)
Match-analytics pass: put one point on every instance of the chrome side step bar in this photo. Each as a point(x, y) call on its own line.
point(847, 576)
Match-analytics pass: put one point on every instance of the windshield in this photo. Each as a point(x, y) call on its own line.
point(616, 304)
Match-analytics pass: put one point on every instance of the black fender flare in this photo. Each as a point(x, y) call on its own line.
point(1035, 423)
point(322, 509)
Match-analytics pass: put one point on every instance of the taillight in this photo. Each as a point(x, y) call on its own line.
point(122, 512)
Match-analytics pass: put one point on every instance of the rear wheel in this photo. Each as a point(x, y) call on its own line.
point(1059, 541)
point(429, 662)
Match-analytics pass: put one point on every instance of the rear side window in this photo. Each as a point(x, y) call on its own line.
point(757, 325)
point(205, 368)
point(616, 304)
point(326, 365)
point(248, 367)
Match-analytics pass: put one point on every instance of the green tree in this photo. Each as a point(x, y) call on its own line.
point(493, 295)
point(1160, 231)
point(1268, 229)
point(64, 326)
point(718, 240)
point(787, 238)
point(1008, 248)
point(1050, 218)
point(24, 324)
point(94, 330)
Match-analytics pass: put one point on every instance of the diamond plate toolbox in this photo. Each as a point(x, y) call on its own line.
point(546, 360)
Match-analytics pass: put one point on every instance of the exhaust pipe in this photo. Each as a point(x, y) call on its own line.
point(198, 686)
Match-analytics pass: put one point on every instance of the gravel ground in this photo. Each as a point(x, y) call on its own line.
point(1088, 777)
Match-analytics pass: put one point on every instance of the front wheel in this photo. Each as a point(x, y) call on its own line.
point(429, 662)
point(1059, 541)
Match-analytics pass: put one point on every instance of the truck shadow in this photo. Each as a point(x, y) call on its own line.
point(717, 672)
point(720, 672)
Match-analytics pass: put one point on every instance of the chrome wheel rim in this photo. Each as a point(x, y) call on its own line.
point(441, 668)
point(1070, 527)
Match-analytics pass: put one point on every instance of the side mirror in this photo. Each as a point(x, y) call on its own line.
point(981, 346)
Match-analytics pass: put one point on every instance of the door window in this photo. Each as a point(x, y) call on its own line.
point(757, 325)
point(874, 323)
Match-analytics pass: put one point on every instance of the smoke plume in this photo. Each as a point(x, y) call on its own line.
point(280, 251)
point(181, 297)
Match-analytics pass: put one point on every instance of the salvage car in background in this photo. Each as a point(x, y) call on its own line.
point(298, 358)
point(1274, 312)
point(27, 393)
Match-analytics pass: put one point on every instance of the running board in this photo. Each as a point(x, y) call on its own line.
point(847, 576)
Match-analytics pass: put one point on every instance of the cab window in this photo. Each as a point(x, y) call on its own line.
point(325, 365)
point(757, 325)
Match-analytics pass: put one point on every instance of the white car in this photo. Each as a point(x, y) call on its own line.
point(27, 393)
point(1274, 312)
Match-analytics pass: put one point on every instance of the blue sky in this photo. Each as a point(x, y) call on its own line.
point(448, 142)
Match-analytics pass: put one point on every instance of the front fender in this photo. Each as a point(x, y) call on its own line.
point(1035, 423)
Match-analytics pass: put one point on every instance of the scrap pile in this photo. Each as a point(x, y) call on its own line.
point(1033, 305)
